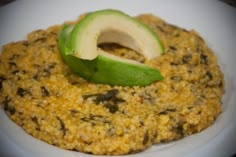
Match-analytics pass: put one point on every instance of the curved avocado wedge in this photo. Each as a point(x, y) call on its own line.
point(105, 68)
point(112, 26)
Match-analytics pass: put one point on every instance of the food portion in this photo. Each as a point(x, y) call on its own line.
point(40, 93)
point(79, 47)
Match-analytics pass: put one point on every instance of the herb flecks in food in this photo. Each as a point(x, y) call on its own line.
point(109, 99)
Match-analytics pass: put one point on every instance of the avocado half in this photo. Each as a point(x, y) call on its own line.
point(78, 47)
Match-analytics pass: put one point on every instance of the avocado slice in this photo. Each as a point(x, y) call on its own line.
point(112, 26)
point(96, 65)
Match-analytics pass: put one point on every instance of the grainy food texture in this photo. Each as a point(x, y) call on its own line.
point(40, 93)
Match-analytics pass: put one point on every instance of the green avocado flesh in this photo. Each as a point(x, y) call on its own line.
point(81, 54)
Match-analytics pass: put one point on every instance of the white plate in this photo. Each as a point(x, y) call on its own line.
point(214, 20)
